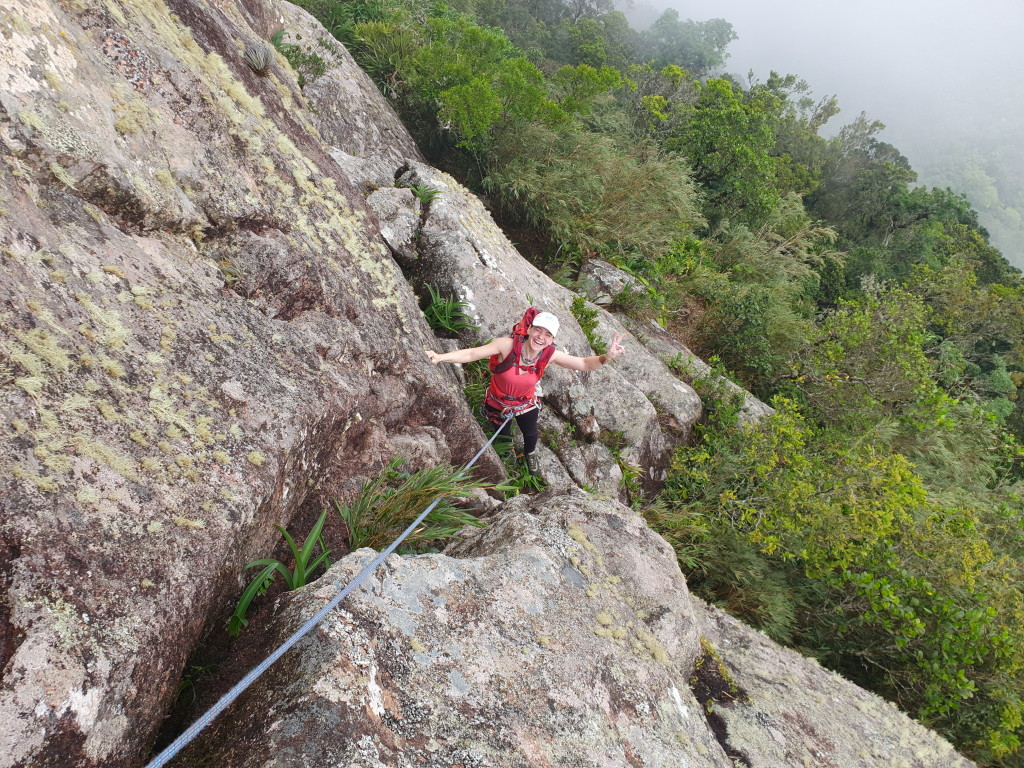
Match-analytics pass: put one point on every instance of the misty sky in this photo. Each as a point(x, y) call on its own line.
point(946, 78)
point(913, 64)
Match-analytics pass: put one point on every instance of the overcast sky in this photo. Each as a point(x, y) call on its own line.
point(913, 64)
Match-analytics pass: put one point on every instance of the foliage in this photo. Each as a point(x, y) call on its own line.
point(308, 65)
point(587, 318)
point(304, 567)
point(695, 46)
point(591, 195)
point(728, 138)
point(388, 503)
point(447, 316)
point(424, 193)
point(835, 547)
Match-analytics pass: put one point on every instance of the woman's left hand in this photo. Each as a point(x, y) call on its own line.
point(615, 348)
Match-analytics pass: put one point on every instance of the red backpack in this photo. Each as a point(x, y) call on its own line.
point(519, 333)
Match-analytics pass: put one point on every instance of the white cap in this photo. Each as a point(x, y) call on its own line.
point(548, 321)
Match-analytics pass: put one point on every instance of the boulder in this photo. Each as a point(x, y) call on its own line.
point(560, 635)
point(789, 711)
point(603, 282)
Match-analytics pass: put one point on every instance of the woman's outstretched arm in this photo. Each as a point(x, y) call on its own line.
point(500, 346)
point(593, 362)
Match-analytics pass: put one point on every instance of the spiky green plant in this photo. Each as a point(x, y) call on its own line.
point(425, 194)
point(447, 316)
point(305, 565)
point(388, 503)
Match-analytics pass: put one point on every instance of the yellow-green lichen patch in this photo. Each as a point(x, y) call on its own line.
point(105, 455)
point(166, 178)
point(44, 345)
point(32, 385)
point(112, 269)
point(115, 334)
point(32, 364)
point(578, 535)
point(140, 438)
point(110, 413)
point(42, 482)
point(257, 459)
point(58, 463)
point(111, 367)
point(132, 114)
point(87, 495)
point(62, 175)
point(652, 646)
point(96, 214)
point(186, 522)
point(618, 634)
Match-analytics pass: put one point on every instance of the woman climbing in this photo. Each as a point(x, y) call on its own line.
point(517, 363)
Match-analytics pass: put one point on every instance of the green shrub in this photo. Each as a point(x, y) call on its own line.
point(391, 501)
point(308, 66)
point(835, 547)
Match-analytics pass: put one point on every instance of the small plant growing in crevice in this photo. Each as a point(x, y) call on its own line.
point(305, 566)
point(307, 66)
point(230, 272)
point(447, 317)
point(259, 58)
point(425, 194)
point(187, 687)
point(713, 684)
point(587, 318)
point(615, 442)
point(388, 503)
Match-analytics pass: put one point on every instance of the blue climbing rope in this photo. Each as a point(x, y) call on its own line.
point(225, 701)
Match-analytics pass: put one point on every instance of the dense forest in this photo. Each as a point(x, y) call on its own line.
point(875, 522)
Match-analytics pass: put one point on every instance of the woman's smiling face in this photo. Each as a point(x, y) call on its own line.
point(539, 337)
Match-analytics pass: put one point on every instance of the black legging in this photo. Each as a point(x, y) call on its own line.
point(527, 425)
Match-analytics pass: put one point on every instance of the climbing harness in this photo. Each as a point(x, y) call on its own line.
point(225, 701)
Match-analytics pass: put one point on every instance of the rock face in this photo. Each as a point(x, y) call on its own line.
point(791, 712)
point(203, 336)
point(208, 330)
point(561, 635)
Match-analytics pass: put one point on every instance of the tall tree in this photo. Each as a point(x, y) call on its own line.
point(698, 46)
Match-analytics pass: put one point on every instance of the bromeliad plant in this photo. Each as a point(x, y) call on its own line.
point(447, 316)
point(305, 566)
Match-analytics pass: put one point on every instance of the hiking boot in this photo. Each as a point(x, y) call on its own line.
point(533, 463)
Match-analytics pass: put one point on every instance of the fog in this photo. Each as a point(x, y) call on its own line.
point(944, 77)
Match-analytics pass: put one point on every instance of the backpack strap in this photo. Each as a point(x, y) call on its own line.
point(545, 358)
point(510, 359)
